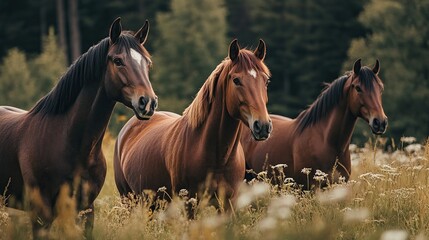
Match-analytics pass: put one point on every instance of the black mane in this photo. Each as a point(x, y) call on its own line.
point(89, 67)
point(331, 96)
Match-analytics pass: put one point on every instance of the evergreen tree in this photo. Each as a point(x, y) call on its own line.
point(399, 38)
point(191, 43)
point(307, 42)
point(47, 67)
point(16, 86)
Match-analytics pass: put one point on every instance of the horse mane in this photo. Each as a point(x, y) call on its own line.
point(331, 96)
point(89, 67)
point(198, 110)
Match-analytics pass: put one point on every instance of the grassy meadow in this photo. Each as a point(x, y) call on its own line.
point(386, 198)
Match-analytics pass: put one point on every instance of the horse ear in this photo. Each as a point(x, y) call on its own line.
point(142, 33)
point(115, 30)
point(261, 50)
point(356, 67)
point(376, 67)
point(234, 49)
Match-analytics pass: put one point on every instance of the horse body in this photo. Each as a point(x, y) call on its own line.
point(320, 136)
point(199, 150)
point(58, 142)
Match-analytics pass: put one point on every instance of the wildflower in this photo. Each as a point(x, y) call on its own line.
point(183, 193)
point(162, 189)
point(356, 215)
point(408, 139)
point(262, 174)
point(279, 166)
point(353, 148)
point(281, 207)
point(413, 148)
point(335, 195)
point(320, 176)
point(394, 235)
point(306, 171)
point(268, 223)
point(258, 190)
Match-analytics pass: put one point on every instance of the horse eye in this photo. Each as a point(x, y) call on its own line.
point(118, 62)
point(237, 81)
point(358, 89)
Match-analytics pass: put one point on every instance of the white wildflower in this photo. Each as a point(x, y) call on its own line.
point(356, 215)
point(162, 189)
point(214, 221)
point(306, 171)
point(394, 235)
point(183, 193)
point(281, 207)
point(279, 166)
point(252, 193)
point(353, 148)
point(334, 195)
point(408, 139)
point(268, 223)
point(320, 176)
point(413, 148)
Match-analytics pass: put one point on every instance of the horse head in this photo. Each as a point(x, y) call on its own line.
point(365, 90)
point(127, 75)
point(247, 83)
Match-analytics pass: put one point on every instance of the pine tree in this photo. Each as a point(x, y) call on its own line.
point(47, 67)
point(307, 41)
point(192, 42)
point(399, 38)
point(16, 87)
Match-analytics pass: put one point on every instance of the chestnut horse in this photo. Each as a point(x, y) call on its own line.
point(201, 149)
point(58, 142)
point(319, 137)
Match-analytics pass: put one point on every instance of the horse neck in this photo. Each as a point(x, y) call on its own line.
point(221, 131)
point(90, 115)
point(339, 126)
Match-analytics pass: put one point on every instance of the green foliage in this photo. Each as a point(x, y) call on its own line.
point(16, 86)
point(399, 38)
point(47, 67)
point(23, 81)
point(307, 42)
point(191, 44)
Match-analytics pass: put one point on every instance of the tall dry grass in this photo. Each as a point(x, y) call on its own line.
point(386, 198)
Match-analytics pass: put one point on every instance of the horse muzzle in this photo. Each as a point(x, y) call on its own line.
point(378, 126)
point(145, 107)
point(260, 130)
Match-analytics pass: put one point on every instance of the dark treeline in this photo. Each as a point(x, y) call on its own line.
point(309, 42)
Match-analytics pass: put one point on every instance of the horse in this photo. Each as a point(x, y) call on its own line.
point(58, 141)
point(319, 138)
point(200, 150)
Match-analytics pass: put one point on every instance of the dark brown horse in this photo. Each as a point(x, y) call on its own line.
point(183, 152)
point(319, 137)
point(59, 140)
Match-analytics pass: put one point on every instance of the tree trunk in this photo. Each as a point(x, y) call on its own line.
point(74, 29)
point(61, 27)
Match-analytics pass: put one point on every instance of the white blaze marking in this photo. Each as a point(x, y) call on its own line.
point(252, 73)
point(136, 56)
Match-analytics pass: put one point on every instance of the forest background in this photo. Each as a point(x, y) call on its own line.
point(309, 42)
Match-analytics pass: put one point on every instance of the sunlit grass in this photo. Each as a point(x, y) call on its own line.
point(388, 195)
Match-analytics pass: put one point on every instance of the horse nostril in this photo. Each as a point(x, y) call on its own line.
point(257, 126)
point(142, 103)
point(153, 105)
point(376, 123)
